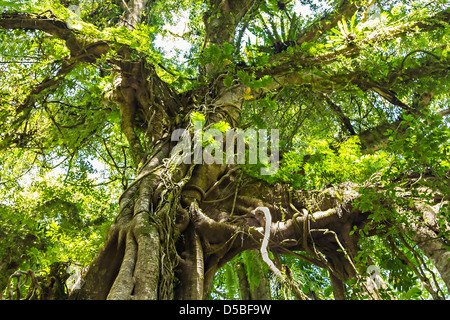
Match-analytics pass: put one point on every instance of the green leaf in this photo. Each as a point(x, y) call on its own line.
point(222, 126)
point(228, 81)
point(228, 50)
point(197, 117)
point(244, 77)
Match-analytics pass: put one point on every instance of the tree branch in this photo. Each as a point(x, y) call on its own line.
point(285, 63)
point(23, 110)
point(133, 11)
point(82, 48)
point(342, 117)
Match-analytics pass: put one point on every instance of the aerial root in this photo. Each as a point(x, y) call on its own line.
point(139, 268)
point(124, 284)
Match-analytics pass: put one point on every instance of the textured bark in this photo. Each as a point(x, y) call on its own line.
point(249, 290)
point(221, 20)
point(191, 266)
point(330, 20)
point(338, 288)
point(436, 251)
point(426, 234)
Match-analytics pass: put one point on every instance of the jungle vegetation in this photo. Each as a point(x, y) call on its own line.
point(92, 90)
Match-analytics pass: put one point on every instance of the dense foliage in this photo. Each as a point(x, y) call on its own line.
point(65, 157)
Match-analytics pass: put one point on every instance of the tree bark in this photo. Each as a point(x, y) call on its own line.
point(436, 251)
point(338, 287)
point(187, 221)
point(314, 222)
point(426, 233)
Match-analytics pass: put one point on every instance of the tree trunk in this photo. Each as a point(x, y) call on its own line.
point(253, 287)
point(138, 258)
point(338, 287)
point(185, 221)
point(213, 210)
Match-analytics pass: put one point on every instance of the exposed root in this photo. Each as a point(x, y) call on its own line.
point(123, 285)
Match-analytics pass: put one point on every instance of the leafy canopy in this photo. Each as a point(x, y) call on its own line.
point(64, 160)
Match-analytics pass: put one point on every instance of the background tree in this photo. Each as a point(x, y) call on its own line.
point(358, 90)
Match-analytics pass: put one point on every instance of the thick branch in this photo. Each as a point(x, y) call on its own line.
point(341, 116)
point(288, 65)
point(145, 100)
point(81, 47)
point(23, 110)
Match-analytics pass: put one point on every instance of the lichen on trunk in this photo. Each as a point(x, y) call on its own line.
point(179, 223)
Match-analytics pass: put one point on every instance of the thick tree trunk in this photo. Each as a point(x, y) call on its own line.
point(184, 222)
point(187, 225)
point(138, 258)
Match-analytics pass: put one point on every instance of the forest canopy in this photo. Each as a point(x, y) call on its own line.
point(99, 97)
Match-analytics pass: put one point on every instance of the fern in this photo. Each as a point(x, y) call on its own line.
point(294, 27)
point(254, 267)
point(231, 280)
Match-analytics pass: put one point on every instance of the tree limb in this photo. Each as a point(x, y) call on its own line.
point(83, 48)
point(345, 10)
point(286, 64)
point(341, 116)
point(23, 110)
